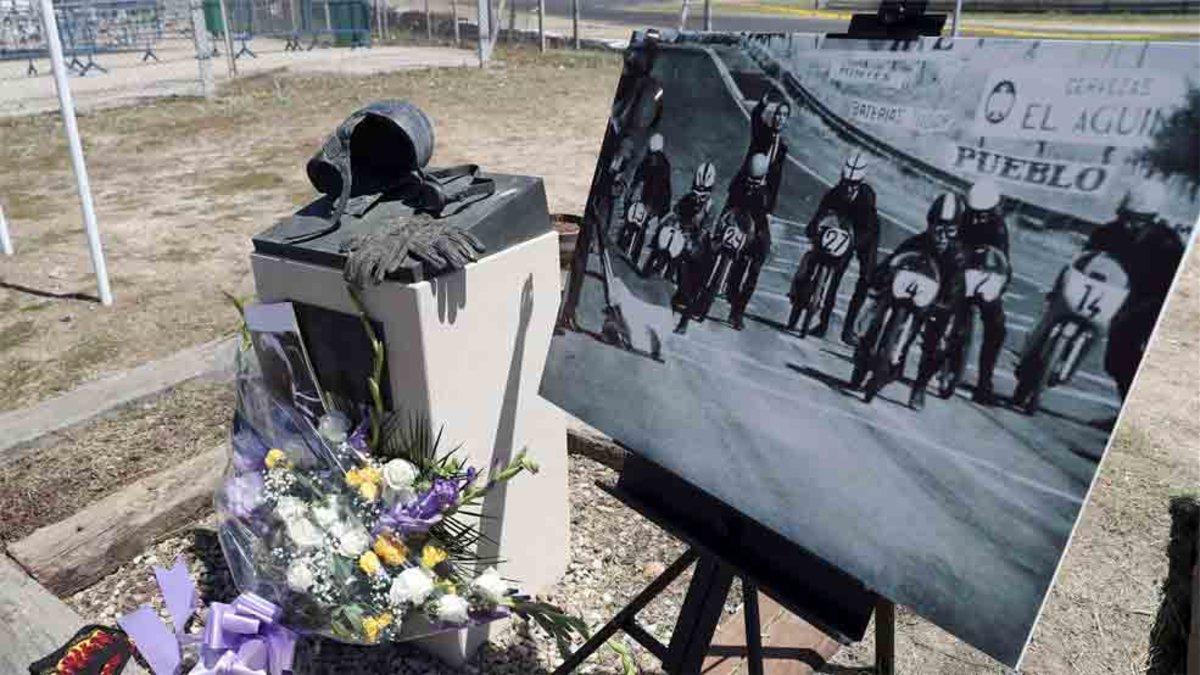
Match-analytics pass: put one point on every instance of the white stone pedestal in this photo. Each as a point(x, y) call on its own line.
point(468, 349)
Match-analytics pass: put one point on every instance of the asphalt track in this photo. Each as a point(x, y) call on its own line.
point(960, 512)
point(630, 14)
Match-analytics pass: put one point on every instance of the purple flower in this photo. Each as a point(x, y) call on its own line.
point(358, 438)
point(426, 510)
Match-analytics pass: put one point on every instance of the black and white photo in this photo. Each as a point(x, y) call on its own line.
point(892, 297)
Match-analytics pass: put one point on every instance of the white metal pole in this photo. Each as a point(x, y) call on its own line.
point(5, 242)
point(541, 10)
point(483, 10)
point(957, 18)
point(50, 25)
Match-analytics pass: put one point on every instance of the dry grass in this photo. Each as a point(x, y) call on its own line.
point(181, 185)
point(83, 465)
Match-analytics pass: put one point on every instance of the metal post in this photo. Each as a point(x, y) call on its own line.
point(454, 16)
point(707, 15)
point(683, 15)
point(5, 242)
point(65, 102)
point(957, 18)
point(541, 4)
point(512, 19)
point(203, 49)
point(483, 9)
point(428, 22)
point(231, 60)
point(575, 23)
point(328, 19)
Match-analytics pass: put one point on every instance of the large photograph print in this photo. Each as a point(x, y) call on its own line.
point(884, 298)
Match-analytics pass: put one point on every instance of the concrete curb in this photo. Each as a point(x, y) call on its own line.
point(21, 429)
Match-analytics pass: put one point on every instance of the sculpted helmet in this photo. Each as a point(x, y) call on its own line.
point(636, 215)
point(757, 171)
point(655, 143)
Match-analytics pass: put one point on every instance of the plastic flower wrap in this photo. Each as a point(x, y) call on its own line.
point(355, 523)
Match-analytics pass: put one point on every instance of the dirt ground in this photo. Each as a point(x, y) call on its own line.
point(181, 185)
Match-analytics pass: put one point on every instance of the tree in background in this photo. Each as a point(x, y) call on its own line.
point(1176, 147)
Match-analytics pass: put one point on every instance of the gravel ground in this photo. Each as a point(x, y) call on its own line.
point(614, 553)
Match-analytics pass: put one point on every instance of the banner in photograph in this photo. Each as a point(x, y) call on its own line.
point(874, 72)
point(899, 116)
point(1053, 174)
point(1118, 107)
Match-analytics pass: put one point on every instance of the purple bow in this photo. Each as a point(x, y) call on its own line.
point(241, 638)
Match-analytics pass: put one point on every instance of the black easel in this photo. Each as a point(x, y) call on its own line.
point(724, 545)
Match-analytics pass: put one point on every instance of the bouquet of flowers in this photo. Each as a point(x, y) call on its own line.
point(352, 518)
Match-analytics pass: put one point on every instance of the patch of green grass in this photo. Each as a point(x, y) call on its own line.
point(16, 334)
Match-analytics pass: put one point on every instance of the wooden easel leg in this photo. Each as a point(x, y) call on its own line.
point(754, 653)
point(885, 637)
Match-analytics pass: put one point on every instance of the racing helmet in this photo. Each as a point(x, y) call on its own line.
point(1144, 199)
point(636, 215)
point(704, 179)
point(942, 221)
point(983, 195)
point(756, 172)
point(655, 143)
point(854, 170)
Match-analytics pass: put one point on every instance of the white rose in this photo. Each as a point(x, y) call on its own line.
point(398, 478)
point(300, 577)
point(413, 585)
point(333, 427)
point(302, 532)
point(326, 514)
point(352, 540)
point(490, 587)
point(290, 508)
point(452, 609)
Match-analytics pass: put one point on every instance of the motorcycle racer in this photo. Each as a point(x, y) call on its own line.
point(1149, 251)
point(942, 241)
point(693, 215)
point(752, 196)
point(653, 178)
point(983, 225)
point(853, 201)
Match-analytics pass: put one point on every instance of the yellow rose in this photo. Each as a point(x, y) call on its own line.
point(432, 555)
point(390, 550)
point(369, 491)
point(366, 475)
point(274, 458)
point(369, 563)
point(374, 625)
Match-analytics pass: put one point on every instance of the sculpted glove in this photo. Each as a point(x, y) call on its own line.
point(441, 247)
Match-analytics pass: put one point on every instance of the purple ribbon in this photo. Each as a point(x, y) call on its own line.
point(241, 638)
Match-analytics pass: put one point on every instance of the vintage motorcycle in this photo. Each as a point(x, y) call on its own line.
point(633, 233)
point(887, 328)
point(987, 274)
point(734, 230)
point(666, 254)
point(1089, 293)
point(814, 279)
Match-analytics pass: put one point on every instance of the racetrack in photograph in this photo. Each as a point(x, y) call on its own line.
point(959, 511)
